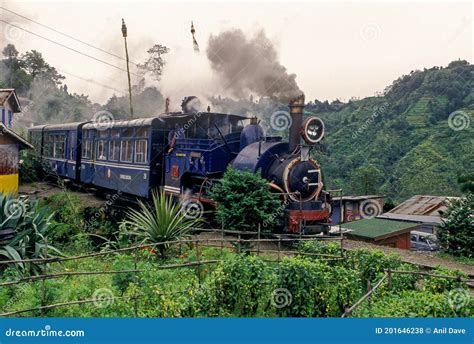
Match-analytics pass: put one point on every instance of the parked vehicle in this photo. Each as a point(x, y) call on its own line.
point(422, 241)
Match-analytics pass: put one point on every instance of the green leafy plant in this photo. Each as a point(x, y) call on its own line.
point(244, 201)
point(163, 221)
point(456, 232)
point(31, 223)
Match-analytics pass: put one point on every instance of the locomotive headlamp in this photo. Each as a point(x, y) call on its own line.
point(312, 130)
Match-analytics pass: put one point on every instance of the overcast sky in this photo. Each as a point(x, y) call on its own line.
point(337, 50)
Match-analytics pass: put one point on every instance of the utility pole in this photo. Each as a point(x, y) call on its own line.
point(124, 34)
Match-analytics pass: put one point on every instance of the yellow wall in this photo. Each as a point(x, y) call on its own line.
point(9, 183)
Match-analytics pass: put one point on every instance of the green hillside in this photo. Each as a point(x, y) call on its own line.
point(401, 143)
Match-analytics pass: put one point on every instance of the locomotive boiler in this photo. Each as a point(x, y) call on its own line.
point(291, 171)
point(184, 152)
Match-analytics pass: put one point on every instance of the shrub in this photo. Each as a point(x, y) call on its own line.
point(418, 304)
point(244, 201)
point(456, 232)
point(315, 289)
point(371, 264)
point(239, 286)
point(439, 284)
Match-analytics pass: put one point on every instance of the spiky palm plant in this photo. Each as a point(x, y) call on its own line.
point(164, 220)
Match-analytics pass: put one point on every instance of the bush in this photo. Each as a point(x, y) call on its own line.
point(313, 289)
point(418, 304)
point(240, 286)
point(456, 232)
point(244, 201)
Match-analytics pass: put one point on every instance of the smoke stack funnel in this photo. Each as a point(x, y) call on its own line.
point(296, 112)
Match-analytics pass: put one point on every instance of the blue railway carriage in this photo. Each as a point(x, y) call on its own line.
point(185, 152)
point(125, 156)
point(58, 145)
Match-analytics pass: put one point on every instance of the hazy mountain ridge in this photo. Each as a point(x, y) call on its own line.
point(401, 143)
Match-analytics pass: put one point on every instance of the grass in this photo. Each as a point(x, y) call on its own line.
point(462, 260)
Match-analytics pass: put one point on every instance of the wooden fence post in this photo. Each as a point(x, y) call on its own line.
point(135, 264)
point(258, 242)
point(389, 272)
point(198, 260)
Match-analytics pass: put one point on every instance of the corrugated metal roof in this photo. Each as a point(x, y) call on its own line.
point(5, 94)
point(6, 131)
point(357, 198)
point(412, 218)
point(422, 205)
point(139, 122)
point(67, 126)
point(378, 228)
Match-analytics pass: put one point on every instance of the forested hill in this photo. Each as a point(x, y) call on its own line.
point(418, 138)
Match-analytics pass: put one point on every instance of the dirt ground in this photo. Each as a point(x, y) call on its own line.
point(43, 190)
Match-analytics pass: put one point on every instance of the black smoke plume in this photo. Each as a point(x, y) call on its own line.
point(250, 65)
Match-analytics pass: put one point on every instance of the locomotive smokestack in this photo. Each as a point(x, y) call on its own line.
point(296, 112)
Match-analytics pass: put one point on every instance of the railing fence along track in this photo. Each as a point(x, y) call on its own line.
point(195, 244)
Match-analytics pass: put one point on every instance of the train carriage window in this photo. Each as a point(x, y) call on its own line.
point(87, 148)
point(126, 150)
point(102, 150)
point(114, 150)
point(103, 133)
point(141, 151)
point(127, 132)
point(59, 143)
point(142, 132)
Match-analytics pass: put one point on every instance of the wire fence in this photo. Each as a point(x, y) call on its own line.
point(238, 244)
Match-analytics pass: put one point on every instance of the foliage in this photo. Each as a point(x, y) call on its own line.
point(370, 264)
point(245, 201)
point(439, 284)
point(67, 216)
point(403, 134)
point(316, 289)
point(240, 286)
point(456, 232)
point(413, 303)
point(155, 62)
point(31, 224)
point(164, 221)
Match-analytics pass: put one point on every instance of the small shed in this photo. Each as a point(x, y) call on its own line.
point(10, 145)
point(353, 208)
point(421, 209)
point(381, 232)
point(9, 105)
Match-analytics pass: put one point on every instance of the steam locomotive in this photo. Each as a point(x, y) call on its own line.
point(184, 152)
